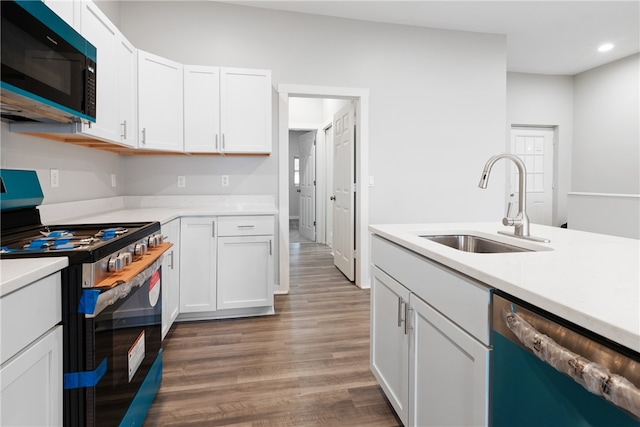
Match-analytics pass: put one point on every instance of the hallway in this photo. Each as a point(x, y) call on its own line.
point(308, 365)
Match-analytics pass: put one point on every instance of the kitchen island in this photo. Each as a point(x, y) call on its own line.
point(431, 307)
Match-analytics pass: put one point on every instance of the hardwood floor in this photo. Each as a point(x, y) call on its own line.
point(308, 365)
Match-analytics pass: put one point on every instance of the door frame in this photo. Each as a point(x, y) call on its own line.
point(361, 96)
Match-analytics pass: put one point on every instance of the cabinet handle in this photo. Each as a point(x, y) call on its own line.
point(213, 229)
point(247, 226)
point(216, 142)
point(224, 145)
point(171, 266)
point(407, 317)
point(124, 130)
point(270, 251)
point(400, 311)
point(144, 135)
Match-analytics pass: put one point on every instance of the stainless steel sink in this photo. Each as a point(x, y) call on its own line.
point(475, 244)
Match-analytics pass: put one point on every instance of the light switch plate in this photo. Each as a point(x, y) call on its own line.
point(113, 180)
point(182, 181)
point(225, 180)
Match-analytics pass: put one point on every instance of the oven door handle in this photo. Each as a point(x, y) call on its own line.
point(594, 377)
point(123, 289)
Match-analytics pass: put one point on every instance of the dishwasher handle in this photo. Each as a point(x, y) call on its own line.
point(594, 377)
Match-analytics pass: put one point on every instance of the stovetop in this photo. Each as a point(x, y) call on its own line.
point(81, 243)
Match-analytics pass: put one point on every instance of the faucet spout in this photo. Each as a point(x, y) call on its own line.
point(521, 220)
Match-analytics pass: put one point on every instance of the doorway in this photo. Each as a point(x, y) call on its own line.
point(360, 98)
point(536, 147)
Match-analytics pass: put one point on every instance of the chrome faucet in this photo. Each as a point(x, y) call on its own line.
point(521, 221)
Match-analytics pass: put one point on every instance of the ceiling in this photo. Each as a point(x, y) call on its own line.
point(543, 37)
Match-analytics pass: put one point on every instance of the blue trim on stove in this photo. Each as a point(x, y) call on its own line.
point(135, 415)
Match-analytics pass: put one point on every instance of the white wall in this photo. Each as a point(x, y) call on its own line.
point(437, 98)
point(84, 173)
point(544, 100)
point(606, 148)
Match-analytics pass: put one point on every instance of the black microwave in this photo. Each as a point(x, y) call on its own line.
point(48, 69)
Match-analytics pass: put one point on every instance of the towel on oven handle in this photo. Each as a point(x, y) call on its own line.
point(91, 306)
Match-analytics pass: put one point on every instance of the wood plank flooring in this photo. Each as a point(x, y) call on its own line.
point(308, 365)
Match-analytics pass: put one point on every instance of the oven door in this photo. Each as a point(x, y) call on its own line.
point(127, 339)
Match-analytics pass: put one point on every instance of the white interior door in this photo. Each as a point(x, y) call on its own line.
point(307, 226)
point(535, 148)
point(328, 144)
point(344, 190)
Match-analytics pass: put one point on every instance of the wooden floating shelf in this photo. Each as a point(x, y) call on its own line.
point(88, 142)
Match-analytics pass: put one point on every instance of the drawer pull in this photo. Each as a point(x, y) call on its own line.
point(247, 226)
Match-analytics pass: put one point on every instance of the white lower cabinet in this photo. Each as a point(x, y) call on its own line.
point(390, 341)
point(171, 276)
point(430, 357)
point(31, 378)
point(448, 372)
point(32, 384)
point(197, 264)
point(245, 262)
point(226, 266)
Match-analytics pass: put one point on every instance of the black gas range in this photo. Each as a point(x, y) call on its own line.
point(111, 303)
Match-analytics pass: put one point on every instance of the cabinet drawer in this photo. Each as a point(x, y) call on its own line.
point(245, 225)
point(466, 302)
point(28, 313)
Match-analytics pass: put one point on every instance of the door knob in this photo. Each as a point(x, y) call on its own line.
point(332, 198)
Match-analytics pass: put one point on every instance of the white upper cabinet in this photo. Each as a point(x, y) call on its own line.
point(227, 110)
point(245, 110)
point(116, 111)
point(127, 92)
point(201, 109)
point(65, 9)
point(160, 112)
point(101, 33)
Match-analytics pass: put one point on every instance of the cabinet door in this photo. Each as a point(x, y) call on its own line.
point(160, 120)
point(245, 110)
point(448, 372)
point(65, 9)
point(390, 340)
point(31, 384)
point(245, 271)
point(171, 276)
point(197, 264)
point(201, 109)
point(101, 33)
point(127, 91)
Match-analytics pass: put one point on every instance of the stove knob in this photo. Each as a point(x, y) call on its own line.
point(140, 249)
point(115, 265)
point(155, 240)
point(126, 259)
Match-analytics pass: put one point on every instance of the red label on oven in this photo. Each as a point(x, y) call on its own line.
point(154, 288)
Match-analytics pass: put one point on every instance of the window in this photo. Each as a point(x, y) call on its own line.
point(296, 171)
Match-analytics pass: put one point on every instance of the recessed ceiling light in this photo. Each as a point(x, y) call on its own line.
point(605, 47)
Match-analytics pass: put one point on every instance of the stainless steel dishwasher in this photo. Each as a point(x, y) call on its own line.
point(548, 372)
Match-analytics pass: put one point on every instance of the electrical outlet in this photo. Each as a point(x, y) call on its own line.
point(225, 180)
point(55, 178)
point(113, 180)
point(182, 181)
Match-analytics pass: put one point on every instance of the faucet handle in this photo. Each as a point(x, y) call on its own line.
point(508, 219)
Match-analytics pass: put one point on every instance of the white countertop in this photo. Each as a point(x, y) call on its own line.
point(166, 214)
point(16, 273)
point(592, 280)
